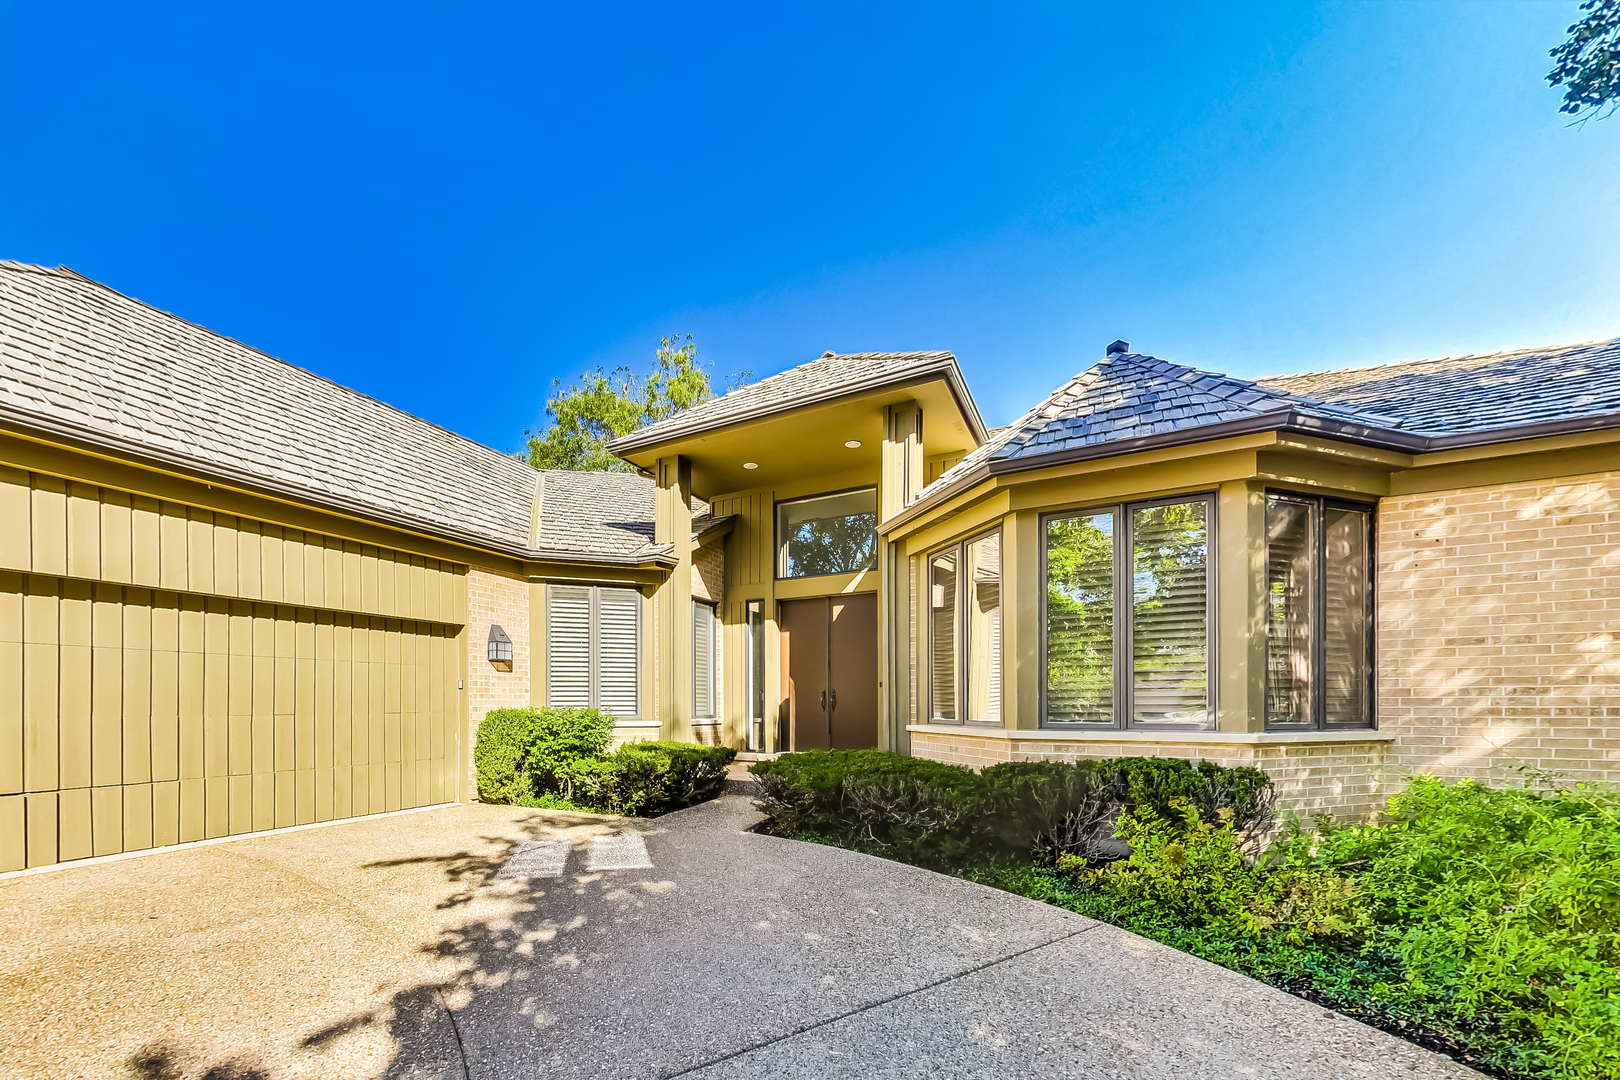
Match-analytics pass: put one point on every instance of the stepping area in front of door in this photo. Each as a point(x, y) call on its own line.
point(549, 858)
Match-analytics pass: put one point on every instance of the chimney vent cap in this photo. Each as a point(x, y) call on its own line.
point(1118, 347)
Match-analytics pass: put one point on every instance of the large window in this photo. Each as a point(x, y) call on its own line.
point(964, 626)
point(1318, 613)
point(1127, 614)
point(829, 534)
point(705, 651)
point(593, 638)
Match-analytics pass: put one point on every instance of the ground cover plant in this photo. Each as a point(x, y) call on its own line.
point(1481, 921)
point(558, 759)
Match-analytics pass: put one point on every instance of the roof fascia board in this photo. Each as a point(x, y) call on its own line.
point(1284, 420)
point(635, 442)
point(117, 451)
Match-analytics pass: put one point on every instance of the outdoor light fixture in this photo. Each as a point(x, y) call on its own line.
point(500, 646)
point(854, 444)
point(750, 464)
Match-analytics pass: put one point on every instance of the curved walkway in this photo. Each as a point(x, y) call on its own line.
point(395, 947)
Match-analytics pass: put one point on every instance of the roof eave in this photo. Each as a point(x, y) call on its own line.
point(646, 439)
point(1283, 420)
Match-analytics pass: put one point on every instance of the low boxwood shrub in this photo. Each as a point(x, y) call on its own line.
point(947, 816)
point(556, 759)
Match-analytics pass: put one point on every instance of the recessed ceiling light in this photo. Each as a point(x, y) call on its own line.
point(854, 444)
point(750, 464)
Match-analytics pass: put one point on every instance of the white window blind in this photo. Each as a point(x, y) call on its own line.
point(702, 660)
point(618, 659)
point(568, 646)
point(593, 646)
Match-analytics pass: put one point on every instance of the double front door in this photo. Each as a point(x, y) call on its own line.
point(830, 654)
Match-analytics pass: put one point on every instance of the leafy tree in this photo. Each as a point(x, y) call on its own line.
point(605, 405)
point(1589, 62)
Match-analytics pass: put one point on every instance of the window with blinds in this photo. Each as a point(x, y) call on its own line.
point(593, 648)
point(964, 632)
point(703, 651)
point(1319, 612)
point(1126, 613)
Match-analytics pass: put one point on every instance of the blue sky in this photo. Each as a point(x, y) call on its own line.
point(449, 206)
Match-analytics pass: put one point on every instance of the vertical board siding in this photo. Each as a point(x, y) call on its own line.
point(170, 674)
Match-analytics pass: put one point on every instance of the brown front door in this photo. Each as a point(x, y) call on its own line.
point(830, 647)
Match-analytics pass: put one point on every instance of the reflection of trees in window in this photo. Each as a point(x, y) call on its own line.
point(1170, 612)
point(832, 545)
point(1080, 618)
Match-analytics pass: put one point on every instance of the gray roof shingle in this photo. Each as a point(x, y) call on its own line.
point(601, 513)
point(80, 358)
point(1460, 394)
point(831, 376)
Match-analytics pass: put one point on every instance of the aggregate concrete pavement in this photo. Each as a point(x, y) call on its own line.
point(388, 947)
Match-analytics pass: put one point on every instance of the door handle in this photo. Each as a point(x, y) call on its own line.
point(824, 701)
point(835, 700)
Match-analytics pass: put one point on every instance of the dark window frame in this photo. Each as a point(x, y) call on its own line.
point(776, 531)
point(1318, 720)
point(959, 628)
point(1124, 703)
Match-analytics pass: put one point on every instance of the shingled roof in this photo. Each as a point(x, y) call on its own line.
point(79, 359)
point(604, 514)
point(831, 376)
point(1460, 394)
point(1131, 401)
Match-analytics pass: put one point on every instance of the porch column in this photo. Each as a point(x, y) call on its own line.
point(672, 524)
point(900, 480)
point(1239, 656)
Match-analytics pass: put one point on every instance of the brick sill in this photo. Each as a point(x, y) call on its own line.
point(1244, 738)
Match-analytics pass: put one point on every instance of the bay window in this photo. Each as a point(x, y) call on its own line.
point(1318, 613)
point(1128, 605)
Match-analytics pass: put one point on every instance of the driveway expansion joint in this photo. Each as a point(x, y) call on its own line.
point(963, 974)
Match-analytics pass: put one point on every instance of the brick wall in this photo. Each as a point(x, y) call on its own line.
point(501, 599)
point(1348, 780)
point(1499, 612)
point(709, 573)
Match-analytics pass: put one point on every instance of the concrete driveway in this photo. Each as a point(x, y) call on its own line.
point(390, 948)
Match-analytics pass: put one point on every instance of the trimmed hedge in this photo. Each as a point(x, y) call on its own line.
point(554, 759)
point(947, 816)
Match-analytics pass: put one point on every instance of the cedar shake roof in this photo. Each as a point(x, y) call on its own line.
point(1130, 401)
point(829, 377)
point(603, 513)
point(81, 360)
point(1461, 394)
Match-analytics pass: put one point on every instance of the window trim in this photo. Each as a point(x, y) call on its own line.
point(594, 643)
point(959, 624)
point(776, 531)
point(1318, 721)
point(1125, 614)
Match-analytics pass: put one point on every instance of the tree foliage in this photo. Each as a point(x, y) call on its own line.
point(605, 405)
point(1589, 62)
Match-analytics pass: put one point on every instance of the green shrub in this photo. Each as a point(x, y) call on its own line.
point(652, 778)
point(523, 753)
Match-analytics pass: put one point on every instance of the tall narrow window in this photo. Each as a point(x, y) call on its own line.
point(593, 648)
point(703, 642)
point(942, 635)
point(1080, 619)
point(1170, 614)
point(1127, 603)
point(1318, 613)
point(982, 623)
point(756, 675)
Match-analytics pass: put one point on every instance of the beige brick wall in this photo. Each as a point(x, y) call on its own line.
point(709, 573)
point(1499, 612)
point(1347, 780)
point(493, 597)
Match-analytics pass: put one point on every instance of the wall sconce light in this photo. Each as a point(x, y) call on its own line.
point(500, 648)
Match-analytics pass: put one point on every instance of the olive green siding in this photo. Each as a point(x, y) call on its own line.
point(168, 673)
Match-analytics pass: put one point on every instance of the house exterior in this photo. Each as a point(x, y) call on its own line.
point(236, 597)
